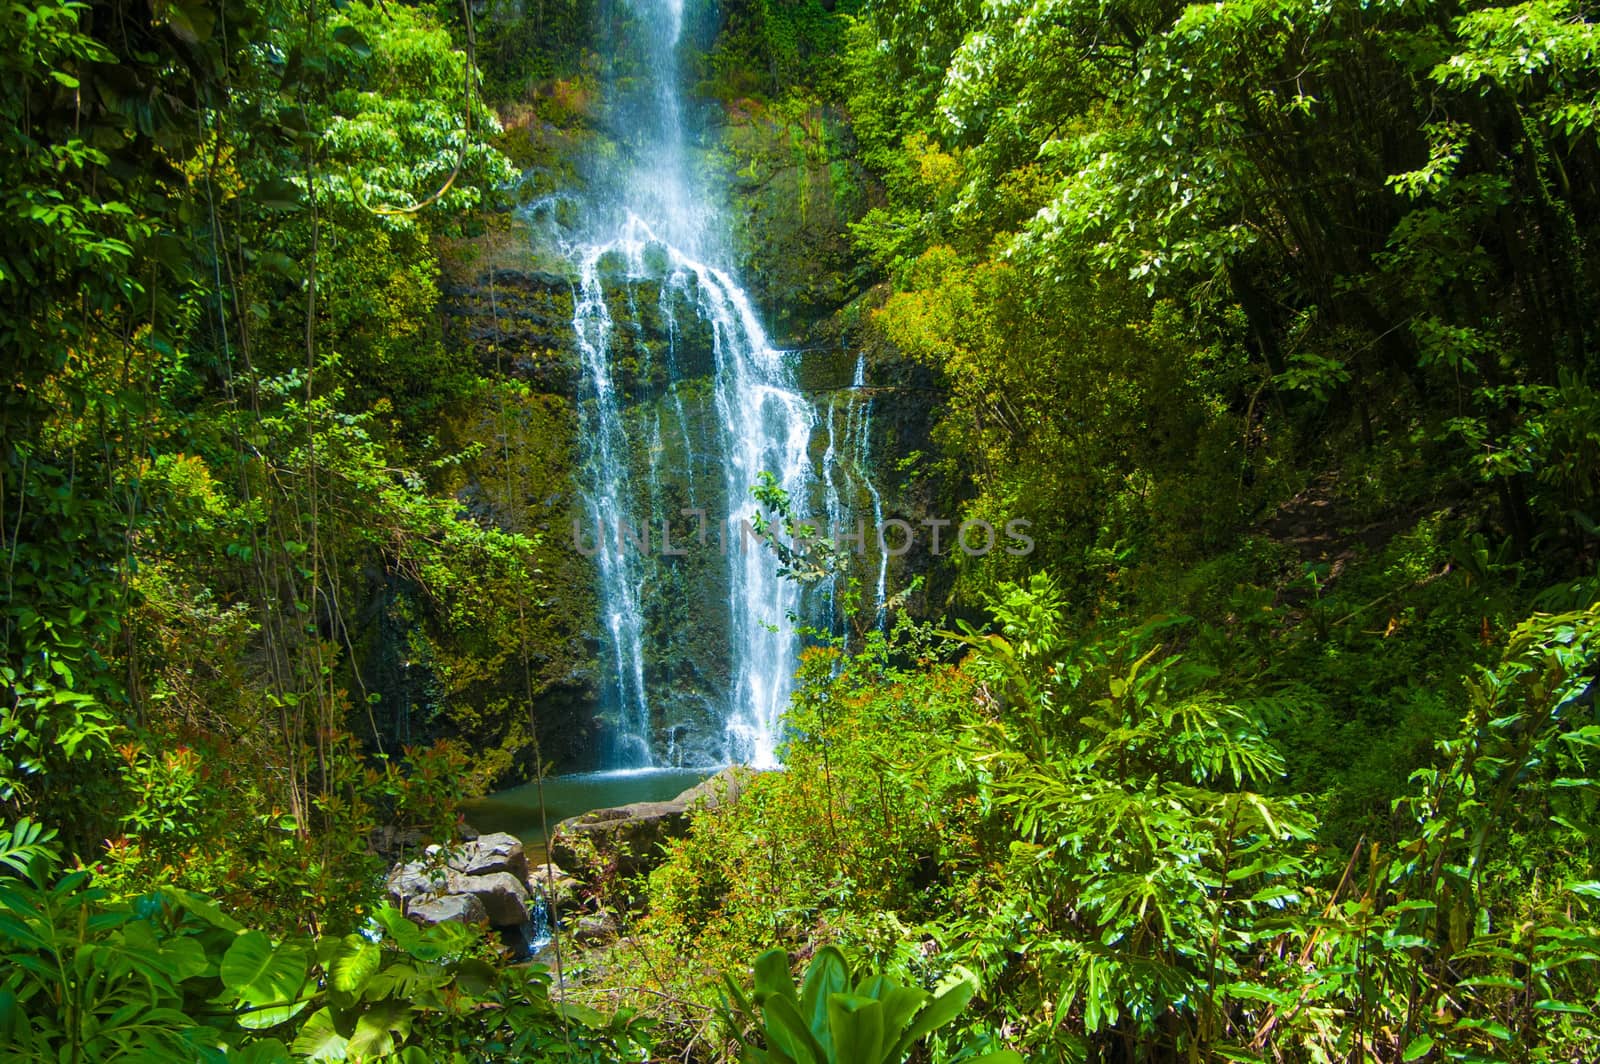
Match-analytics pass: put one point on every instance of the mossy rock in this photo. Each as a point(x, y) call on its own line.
point(522, 479)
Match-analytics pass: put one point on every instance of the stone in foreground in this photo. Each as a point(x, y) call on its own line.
point(497, 852)
point(503, 896)
point(448, 908)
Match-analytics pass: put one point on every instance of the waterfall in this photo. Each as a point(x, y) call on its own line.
point(846, 477)
point(607, 500)
point(653, 222)
point(834, 504)
point(535, 933)
point(862, 454)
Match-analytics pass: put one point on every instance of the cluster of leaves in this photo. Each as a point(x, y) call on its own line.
point(1166, 256)
point(201, 820)
point(836, 833)
point(1175, 266)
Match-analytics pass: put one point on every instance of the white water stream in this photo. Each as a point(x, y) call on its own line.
point(664, 225)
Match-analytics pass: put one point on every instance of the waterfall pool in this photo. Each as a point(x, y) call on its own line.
point(516, 809)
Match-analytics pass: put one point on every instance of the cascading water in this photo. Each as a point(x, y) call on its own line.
point(846, 475)
point(609, 491)
point(862, 453)
point(653, 224)
point(769, 430)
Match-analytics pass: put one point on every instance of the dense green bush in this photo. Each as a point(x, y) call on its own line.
point(1098, 828)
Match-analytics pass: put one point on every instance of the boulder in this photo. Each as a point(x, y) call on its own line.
point(491, 871)
point(722, 789)
point(414, 879)
point(625, 840)
point(498, 852)
point(502, 895)
point(448, 908)
point(628, 838)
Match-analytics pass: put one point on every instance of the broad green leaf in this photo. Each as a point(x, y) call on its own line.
point(380, 1028)
point(1551, 1005)
point(397, 980)
point(249, 958)
point(265, 978)
point(204, 908)
point(948, 1001)
point(900, 1004)
point(857, 1024)
point(787, 1032)
point(772, 975)
point(355, 964)
point(1417, 1048)
point(828, 974)
point(318, 1040)
point(259, 1018)
point(187, 957)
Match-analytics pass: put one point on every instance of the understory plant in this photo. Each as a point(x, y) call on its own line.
point(839, 1016)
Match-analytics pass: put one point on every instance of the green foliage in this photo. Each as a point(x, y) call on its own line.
point(1467, 940)
point(221, 340)
point(92, 286)
point(169, 976)
point(217, 830)
point(1148, 872)
point(26, 845)
point(830, 849)
point(835, 1017)
point(515, 50)
point(1061, 177)
point(1275, 320)
point(1096, 827)
point(766, 47)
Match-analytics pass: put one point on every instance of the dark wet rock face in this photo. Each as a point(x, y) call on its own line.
point(518, 323)
point(509, 298)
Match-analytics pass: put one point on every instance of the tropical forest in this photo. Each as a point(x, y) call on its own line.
point(799, 531)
